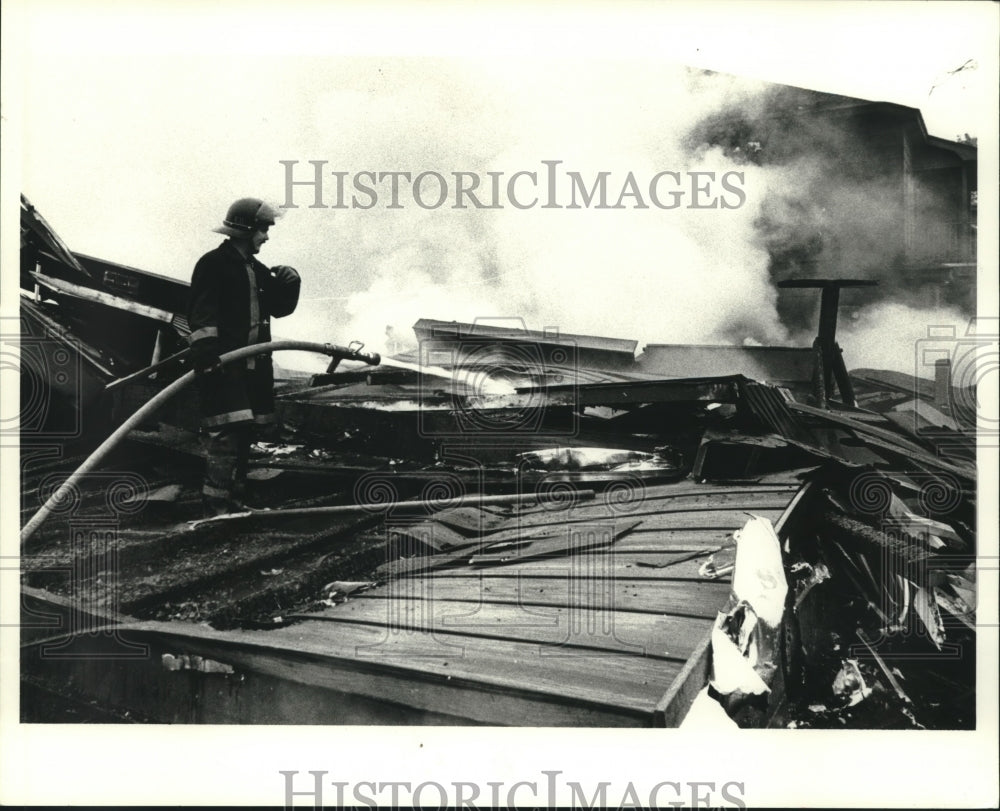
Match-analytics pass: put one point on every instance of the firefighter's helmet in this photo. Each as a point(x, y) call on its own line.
point(245, 216)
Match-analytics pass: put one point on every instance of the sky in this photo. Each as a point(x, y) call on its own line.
point(137, 128)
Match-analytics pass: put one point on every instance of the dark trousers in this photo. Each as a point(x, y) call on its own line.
point(238, 407)
point(228, 455)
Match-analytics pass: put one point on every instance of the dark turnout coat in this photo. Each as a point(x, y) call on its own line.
point(232, 301)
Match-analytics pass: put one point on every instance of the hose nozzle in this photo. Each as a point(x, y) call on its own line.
point(350, 352)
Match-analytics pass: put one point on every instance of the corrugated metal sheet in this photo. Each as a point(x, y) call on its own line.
point(768, 405)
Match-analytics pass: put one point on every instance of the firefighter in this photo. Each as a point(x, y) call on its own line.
point(232, 300)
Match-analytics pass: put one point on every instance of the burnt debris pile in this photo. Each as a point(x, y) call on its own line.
point(503, 468)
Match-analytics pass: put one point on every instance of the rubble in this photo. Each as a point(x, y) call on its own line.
point(849, 685)
point(795, 542)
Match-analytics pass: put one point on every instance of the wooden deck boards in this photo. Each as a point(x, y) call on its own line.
point(446, 674)
point(608, 566)
point(607, 627)
point(601, 623)
point(682, 598)
point(657, 514)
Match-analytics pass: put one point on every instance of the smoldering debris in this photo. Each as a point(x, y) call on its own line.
point(846, 598)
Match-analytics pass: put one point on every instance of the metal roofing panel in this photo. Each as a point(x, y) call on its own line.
point(756, 362)
point(430, 328)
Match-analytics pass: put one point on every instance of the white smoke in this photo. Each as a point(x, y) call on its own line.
point(655, 276)
point(678, 275)
point(891, 336)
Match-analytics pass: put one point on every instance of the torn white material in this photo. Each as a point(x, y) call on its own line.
point(956, 607)
point(964, 589)
point(849, 684)
point(759, 577)
point(588, 459)
point(337, 591)
point(921, 527)
point(744, 636)
point(731, 670)
point(925, 605)
point(264, 474)
point(817, 574)
point(707, 713)
point(194, 662)
point(904, 598)
point(167, 493)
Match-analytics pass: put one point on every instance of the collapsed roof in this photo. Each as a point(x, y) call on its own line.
point(630, 476)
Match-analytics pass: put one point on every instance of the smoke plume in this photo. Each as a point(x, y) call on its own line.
point(818, 203)
point(654, 275)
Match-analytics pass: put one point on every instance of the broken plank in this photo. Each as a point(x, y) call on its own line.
point(690, 491)
point(425, 538)
point(573, 542)
point(470, 521)
point(641, 538)
point(517, 533)
point(708, 518)
point(640, 505)
point(460, 556)
point(887, 440)
point(101, 297)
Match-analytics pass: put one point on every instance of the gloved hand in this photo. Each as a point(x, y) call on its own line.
point(285, 274)
point(205, 359)
point(213, 366)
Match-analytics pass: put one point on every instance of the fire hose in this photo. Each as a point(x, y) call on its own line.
point(557, 497)
point(143, 373)
point(66, 488)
